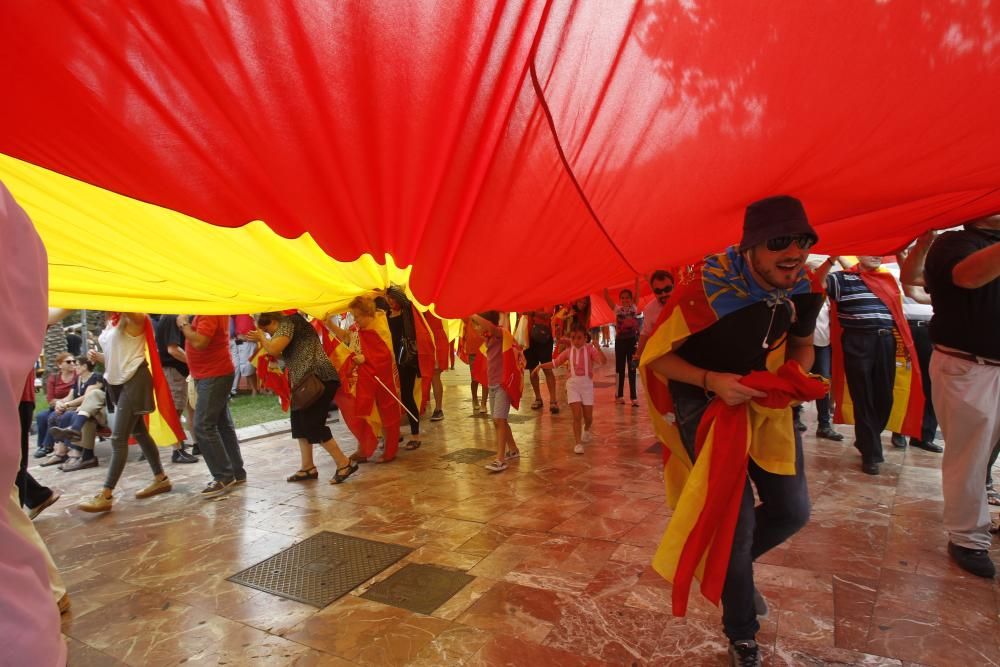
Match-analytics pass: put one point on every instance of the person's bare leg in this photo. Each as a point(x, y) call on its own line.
point(511, 446)
point(475, 393)
point(502, 430)
point(252, 381)
point(536, 385)
point(438, 388)
point(306, 453)
point(550, 383)
point(577, 422)
point(588, 417)
point(334, 450)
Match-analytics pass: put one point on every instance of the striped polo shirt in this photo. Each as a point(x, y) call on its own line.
point(857, 307)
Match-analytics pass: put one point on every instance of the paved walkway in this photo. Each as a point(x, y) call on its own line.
point(559, 544)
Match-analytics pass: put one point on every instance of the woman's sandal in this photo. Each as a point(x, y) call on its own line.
point(537, 405)
point(412, 444)
point(304, 475)
point(357, 458)
point(351, 468)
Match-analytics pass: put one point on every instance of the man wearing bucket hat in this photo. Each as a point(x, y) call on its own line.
point(728, 315)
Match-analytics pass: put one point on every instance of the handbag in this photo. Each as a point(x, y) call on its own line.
point(307, 392)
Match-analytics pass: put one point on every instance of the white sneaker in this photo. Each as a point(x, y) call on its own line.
point(496, 466)
point(578, 448)
point(512, 456)
point(586, 437)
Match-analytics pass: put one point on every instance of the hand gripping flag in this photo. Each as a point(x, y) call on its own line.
point(907, 412)
point(705, 293)
point(272, 376)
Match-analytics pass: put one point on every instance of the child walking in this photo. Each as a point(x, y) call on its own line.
point(581, 356)
point(505, 373)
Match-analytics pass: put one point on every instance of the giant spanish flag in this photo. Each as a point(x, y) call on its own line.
point(246, 156)
point(426, 359)
point(703, 294)
point(907, 412)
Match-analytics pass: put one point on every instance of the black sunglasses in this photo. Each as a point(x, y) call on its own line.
point(663, 290)
point(804, 241)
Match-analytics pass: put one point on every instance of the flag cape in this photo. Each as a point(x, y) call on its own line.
point(367, 410)
point(512, 380)
point(163, 423)
point(703, 294)
point(272, 376)
point(907, 412)
point(425, 360)
point(442, 346)
point(699, 537)
point(470, 346)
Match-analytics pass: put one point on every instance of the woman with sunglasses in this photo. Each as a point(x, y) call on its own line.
point(57, 387)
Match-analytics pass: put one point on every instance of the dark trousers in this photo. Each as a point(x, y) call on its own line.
point(624, 349)
point(29, 491)
point(407, 382)
point(922, 341)
point(42, 422)
point(821, 366)
point(870, 367)
point(783, 510)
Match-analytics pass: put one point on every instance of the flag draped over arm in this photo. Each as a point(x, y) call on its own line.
point(907, 412)
point(701, 493)
point(512, 380)
point(164, 424)
point(273, 377)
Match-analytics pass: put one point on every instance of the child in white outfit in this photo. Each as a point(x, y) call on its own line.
point(581, 356)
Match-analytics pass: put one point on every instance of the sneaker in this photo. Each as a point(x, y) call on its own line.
point(513, 456)
point(744, 653)
point(586, 437)
point(78, 463)
point(181, 456)
point(554, 408)
point(578, 448)
point(157, 487)
point(760, 604)
point(98, 503)
point(35, 511)
point(41, 453)
point(898, 441)
point(870, 468)
point(496, 466)
point(437, 416)
point(973, 561)
point(216, 488)
point(239, 481)
point(635, 403)
point(827, 433)
point(926, 446)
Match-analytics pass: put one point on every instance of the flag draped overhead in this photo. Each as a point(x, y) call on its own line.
point(256, 155)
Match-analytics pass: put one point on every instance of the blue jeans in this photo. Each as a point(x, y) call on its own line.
point(214, 431)
point(783, 510)
point(42, 422)
point(821, 366)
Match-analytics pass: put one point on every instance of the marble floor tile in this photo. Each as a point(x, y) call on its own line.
point(560, 546)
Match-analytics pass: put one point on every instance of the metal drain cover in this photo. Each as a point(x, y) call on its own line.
point(468, 455)
point(321, 568)
point(418, 588)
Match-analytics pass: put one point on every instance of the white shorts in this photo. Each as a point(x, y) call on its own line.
point(580, 389)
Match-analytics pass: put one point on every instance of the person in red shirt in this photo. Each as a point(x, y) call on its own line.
point(57, 386)
point(207, 349)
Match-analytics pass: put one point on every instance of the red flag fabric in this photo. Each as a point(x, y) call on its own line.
point(273, 377)
point(426, 359)
point(589, 133)
point(442, 346)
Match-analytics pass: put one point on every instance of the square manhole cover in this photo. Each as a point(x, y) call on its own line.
point(321, 568)
point(419, 588)
point(468, 455)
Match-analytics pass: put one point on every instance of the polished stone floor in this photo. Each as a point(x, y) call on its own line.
point(559, 546)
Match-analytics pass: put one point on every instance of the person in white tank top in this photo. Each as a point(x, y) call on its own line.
point(123, 352)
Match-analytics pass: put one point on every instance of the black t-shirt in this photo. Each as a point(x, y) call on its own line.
point(167, 333)
point(81, 386)
point(965, 319)
point(74, 344)
point(735, 344)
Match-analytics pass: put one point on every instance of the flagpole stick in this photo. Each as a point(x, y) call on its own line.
point(393, 394)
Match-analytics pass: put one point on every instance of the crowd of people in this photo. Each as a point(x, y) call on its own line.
point(898, 350)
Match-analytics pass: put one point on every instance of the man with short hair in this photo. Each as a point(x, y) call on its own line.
point(962, 274)
point(730, 313)
point(207, 350)
point(662, 284)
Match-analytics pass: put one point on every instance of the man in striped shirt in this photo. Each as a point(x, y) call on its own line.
point(869, 344)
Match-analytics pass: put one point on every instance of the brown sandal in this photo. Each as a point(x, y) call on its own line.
point(412, 444)
point(304, 475)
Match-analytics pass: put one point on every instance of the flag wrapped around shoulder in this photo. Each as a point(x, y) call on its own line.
point(425, 359)
point(703, 294)
point(907, 412)
point(362, 395)
point(163, 423)
point(271, 376)
point(470, 350)
point(512, 380)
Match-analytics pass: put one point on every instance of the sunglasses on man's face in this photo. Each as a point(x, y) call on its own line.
point(804, 241)
point(663, 290)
